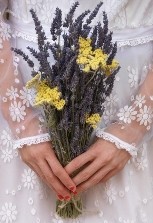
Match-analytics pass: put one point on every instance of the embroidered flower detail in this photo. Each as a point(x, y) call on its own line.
point(7, 155)
point(139, 100)
point(145, 116)
point(12, 93)
point(127, 114)
point(111, 100)
point(8, 213)
point(133, 77)
point(17, 111)
point(109, 115)
point(110, 194)
point(6, 139)
point(141, 163)
point(4, 31)
point(27, 95)
point(29, 178)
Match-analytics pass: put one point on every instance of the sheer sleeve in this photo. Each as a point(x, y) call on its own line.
point(16, 101)
point(129, 109)
point(135, 121)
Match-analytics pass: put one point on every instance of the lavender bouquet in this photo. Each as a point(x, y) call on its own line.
point(73, 90)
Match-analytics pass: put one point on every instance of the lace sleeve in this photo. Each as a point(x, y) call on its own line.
point(134, 123)
point(16, 101)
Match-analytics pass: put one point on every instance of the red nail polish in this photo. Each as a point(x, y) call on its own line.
point(75, 192)
point(60, 197)
point(67, 198)
point(72, 189)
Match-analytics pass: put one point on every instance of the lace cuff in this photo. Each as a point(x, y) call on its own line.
point(118, 143)
point(31, 140)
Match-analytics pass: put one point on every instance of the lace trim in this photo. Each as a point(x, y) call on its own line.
point(120, 43)
point(118, 143)
point(135, 42)
point(31, 140)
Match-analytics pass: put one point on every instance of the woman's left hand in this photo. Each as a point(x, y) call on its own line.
point(101, 162)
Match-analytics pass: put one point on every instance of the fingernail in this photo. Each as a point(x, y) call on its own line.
point(60, 197)
point(75, 192)
point(72, 189)
point(67, 198)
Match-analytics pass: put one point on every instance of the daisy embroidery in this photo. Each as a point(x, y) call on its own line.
point(145, 116)
point(133, 77)
point(7, 155)
point(5, 31)
point(27, 95)
point(8, 213)
point(127, 114)
point(17, 111)
point(29, 178)
point(139, 100)
point(12, 93)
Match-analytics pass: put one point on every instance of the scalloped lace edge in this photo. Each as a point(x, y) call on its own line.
point(118, 142)
point(135, 42)
point(120, 43)
point(31, 140)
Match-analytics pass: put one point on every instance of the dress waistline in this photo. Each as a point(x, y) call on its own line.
point(123, 37)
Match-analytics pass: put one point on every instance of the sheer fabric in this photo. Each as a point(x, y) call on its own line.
point(133, 122)
point(17, 101)
point(128, 196)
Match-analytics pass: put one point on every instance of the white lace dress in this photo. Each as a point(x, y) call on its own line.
point(128, 196)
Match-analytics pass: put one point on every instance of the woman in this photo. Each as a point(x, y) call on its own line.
point(119, 179)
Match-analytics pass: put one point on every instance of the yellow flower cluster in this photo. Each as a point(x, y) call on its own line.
point(92, 60)
point(93, 120)
point(45, 94)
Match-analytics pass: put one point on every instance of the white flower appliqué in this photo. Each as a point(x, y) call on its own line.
point(139, 100)
point(7, 155)
point(29, 178)
point(8, 213)
point(17, 111)
point(133, 77)
point(127, 114)
point(27, 95)
point(12, 93)
point(6, 139)
point(145, 116)
point(110, 193)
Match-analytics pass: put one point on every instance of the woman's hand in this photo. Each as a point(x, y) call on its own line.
point(42, 160)
point(102, 161)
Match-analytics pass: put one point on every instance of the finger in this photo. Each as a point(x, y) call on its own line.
point(87, 172)
point(53, 181)
point(109, 175)
point(95, 179)
point(79, 162)
point(61, 173)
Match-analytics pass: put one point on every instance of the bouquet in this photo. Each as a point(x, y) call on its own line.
point(73, 90)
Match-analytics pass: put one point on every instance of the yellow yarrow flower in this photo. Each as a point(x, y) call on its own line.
point(45, 94)
point(93, 120)
point(92, 60)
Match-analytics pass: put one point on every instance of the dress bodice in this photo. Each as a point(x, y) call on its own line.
point(121, 13)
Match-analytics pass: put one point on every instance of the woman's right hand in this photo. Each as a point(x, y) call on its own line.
point(43, 161)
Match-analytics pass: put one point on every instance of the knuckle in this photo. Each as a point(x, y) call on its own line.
point(57, 172)
point(114, 165)
point(50, 178)
point(119, 166)
point(94, 181)
point(85, 176)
